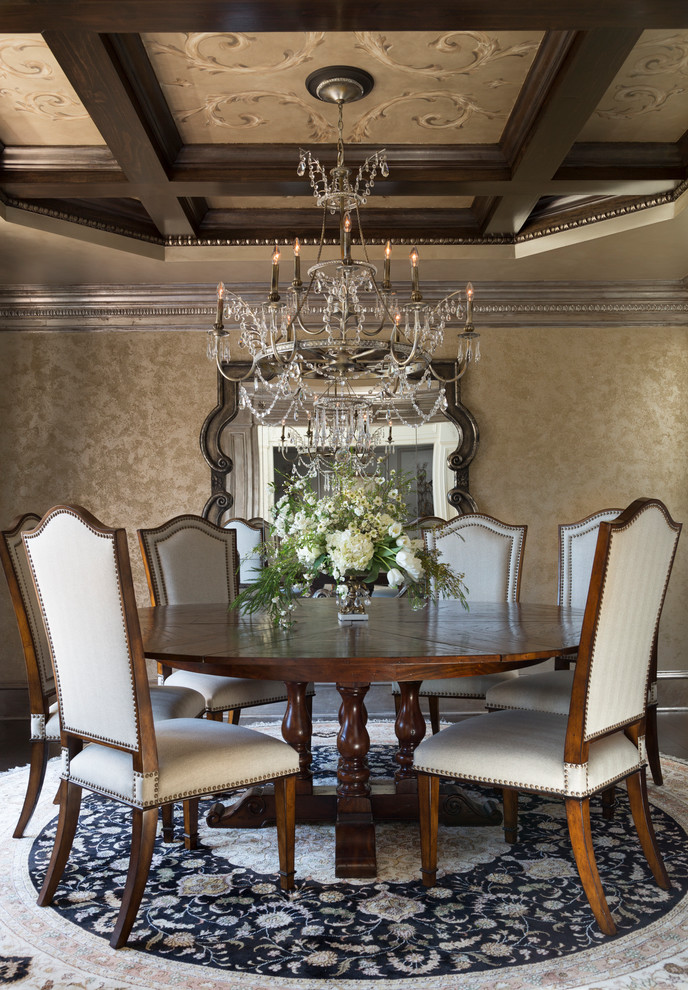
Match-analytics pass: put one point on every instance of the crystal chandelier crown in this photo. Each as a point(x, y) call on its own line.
point(340, 330)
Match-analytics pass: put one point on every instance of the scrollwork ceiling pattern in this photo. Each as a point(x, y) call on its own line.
point(214, 111)
point(467, 67)
point(646, 87)
point(480, 47)
point(194, 55)
point(37, 88)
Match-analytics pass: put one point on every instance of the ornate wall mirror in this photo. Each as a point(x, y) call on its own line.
point(243, 455)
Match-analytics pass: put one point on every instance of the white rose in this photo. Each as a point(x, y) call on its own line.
point(395, 529)
point(404, 541)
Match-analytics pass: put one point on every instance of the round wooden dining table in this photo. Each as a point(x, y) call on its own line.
point(397, 643)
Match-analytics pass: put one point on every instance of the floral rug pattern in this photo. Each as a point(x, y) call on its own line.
point(507, 916)
point(520, 904)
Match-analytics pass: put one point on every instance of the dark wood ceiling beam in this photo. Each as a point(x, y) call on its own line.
point(90, 63)
point(336, 15)
point(624, 160)
point(590, 63)
point(378, 224)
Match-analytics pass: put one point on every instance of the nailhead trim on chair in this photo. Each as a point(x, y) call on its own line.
point(132, 801)
point(253, 704)
point(519, 785)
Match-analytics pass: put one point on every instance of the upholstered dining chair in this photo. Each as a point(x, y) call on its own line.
point(82, 573)
point(601, 741)
point(168, 702)
point(250, 533)
point(550, 691)
point(489, 553)
point(189, 560)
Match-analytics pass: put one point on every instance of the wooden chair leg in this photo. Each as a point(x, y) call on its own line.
point(428, 818)
point(233, 716)
point(70, 803)
point(510, 803)
point(608, 803)
point(434, 706)
point(640, 809)
point(578, 817)
point(190, 823)
point(143, 828)
point(167, 818)
point(285, 814)
point(652, 745)
point(38, 763)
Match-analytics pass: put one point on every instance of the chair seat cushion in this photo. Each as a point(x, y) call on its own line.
point(525, 750)
point(546, 692)
point(170, 701)
point(462, 687)
point(223, 693)
point(195, 756)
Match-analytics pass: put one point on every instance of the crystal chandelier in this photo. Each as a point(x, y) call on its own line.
point(340, 430)
point(341, 332)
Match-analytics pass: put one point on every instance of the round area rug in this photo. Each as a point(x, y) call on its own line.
point(500, 916)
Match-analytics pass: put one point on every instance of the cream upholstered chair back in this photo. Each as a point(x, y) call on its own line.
point(82, 576)
point(28, 611)
point(577, 542)
point(486, 551)
point(633, 560)
point(189, 561)
point(250, 533)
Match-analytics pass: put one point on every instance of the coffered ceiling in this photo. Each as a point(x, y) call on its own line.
point(175, 127)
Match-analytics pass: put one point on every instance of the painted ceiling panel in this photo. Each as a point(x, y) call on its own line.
point(37, 104)
point(648, 100)
point(430, 87)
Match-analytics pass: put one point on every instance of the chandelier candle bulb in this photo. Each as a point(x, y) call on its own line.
point(469, 304)
point(220, 304)
point(346, 238)
point(274, 294)
point(386, 283)
point(415, 287)
point(297, 283)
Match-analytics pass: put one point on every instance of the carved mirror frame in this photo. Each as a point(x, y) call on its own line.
point(227, 408)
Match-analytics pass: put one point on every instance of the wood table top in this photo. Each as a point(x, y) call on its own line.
point(397, 643)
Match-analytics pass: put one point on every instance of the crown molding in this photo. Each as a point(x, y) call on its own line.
point(147, 308)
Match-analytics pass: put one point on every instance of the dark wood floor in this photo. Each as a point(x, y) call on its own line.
point(14, 742)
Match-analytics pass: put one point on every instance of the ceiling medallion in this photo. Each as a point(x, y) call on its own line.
point(341, 331)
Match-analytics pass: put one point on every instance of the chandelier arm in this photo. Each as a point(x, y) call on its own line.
point(402, 363)
point(229, 378)
point(449, 381)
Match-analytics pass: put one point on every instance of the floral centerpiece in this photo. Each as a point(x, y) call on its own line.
point(353, 535)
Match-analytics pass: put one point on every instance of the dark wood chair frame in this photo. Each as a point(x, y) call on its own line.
point(41, 697)
point(145, 761)
point(575, 752)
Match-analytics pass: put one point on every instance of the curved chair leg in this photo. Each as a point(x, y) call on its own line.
point(434, 706)
point(640, 809)
point(70, 803)
point(143, 828)
point(428, 817)
point(38, 763)
point(285, 813)
point(578, 817)
point(652, 745)
point(510, 803)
